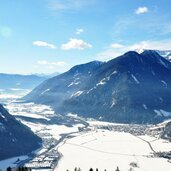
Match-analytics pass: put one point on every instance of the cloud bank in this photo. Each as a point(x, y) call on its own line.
point(118, 49)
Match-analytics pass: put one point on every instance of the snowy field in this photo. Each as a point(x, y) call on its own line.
point(30, 110)
point(93, 147)
point(12, 162)
point(38, 111)
point(107, 150)
point(52, 130)
point(46, 131)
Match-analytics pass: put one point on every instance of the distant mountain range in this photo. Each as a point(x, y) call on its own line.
point(48, 75)
point(15, 138)
point(132, 88)
point(15, 83)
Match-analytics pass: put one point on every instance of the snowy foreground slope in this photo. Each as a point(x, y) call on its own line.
point(11, 162)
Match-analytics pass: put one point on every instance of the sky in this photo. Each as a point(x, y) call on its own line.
point(46, 36)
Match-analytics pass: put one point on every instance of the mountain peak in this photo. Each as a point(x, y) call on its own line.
point(163, 53)
point(150, 53)
point(86, 67)
point(131, 53)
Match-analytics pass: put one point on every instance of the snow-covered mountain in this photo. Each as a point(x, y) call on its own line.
point(133, 88)
point(164, 53)
point(15, 138)
point(47, 75)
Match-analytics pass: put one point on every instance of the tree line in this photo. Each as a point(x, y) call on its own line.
point(18, 169)
point(75, 169)
point(91, 169)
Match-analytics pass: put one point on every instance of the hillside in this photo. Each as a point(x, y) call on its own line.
point(15, 138)
point(133, 88)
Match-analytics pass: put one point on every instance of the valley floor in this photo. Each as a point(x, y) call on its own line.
point(70, 142)
point(106, 149)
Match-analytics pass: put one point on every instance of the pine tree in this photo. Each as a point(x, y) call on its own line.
point(117, 169)
point(9, 169)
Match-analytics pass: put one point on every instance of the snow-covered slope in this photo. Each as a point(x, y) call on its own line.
point(53, 91)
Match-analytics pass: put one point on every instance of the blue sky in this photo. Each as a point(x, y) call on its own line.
point(46, 36)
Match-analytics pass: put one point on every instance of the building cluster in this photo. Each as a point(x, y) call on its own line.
point(134, 129)
point(156, 131)
point(48, 158)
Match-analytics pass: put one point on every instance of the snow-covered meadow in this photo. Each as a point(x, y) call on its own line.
point(30, 110)
point(106, 149)
point(38, 111)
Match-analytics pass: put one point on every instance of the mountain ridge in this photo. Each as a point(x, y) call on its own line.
point(15, 138)
point(17, 81)
point(127, 89)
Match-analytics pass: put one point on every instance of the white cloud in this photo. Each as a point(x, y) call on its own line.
point(5, 31)
point(116, 45)
point(52, 65)
point(75, 44)
point(57, 5)
point(60, 63)
point(141, 10)
point(44, 44)
point(79, 31)
point(134, 26)
point(61, 5)
point(149, 44)
point(111, 53)
point(42, 62)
